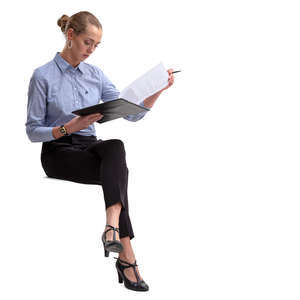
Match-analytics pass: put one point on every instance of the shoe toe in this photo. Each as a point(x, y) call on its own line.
point(144, 285)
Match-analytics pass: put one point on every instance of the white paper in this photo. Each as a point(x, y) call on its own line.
point(146, 85)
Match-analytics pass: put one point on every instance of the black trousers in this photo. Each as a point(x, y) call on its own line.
point(84, 159)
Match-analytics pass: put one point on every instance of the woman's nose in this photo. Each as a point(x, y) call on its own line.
point(90, 49)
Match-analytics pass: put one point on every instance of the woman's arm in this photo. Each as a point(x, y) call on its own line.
point(76, 124)
point(110, 92)
point(36, 128)
point(149, 102)
point(56, 132)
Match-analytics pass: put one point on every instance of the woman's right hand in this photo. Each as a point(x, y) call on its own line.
point(82, 122)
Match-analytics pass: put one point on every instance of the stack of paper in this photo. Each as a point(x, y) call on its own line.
point(146, 85)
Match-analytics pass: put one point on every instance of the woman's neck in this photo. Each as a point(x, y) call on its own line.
point(67, 55)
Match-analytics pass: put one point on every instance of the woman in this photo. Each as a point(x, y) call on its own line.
point(70, 148)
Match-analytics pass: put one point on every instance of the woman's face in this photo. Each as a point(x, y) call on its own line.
point(85, 44)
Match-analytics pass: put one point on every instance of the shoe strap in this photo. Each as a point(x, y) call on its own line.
point(130, 265)
point(112, 228)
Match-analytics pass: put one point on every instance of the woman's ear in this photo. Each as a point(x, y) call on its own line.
point(70, 33)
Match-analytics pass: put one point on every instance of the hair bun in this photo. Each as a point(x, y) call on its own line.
point(62, 22)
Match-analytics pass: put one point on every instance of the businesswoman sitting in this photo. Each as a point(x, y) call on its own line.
point(70, 148)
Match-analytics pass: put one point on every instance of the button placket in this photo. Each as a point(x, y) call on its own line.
point(76, 91)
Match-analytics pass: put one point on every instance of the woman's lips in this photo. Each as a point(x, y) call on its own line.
point(85, 55)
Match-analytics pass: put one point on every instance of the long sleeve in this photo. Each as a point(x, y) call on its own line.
point(138, 116)
point(110, 92)
point(36, 128)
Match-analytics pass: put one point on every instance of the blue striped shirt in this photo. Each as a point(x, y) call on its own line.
point(57, 88)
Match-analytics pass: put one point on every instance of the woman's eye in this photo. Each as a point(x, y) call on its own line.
point(89, 44)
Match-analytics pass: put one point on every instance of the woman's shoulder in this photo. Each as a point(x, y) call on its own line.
point(44, 71)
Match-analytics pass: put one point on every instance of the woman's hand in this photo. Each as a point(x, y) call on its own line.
point(170, 80)
point(82, 122)
point(149, 102)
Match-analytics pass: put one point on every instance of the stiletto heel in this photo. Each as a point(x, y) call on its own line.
point(140, 285)
point(120, 278)
point(112, 246)
point(106, 253)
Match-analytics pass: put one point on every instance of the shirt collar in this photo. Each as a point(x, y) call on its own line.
point(64, 65)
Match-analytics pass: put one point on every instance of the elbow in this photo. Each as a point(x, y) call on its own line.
point(38, 134)
point(32, 136)
point(131, 119)
point(134, 118)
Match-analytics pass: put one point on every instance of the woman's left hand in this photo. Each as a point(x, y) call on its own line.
point(170, 80)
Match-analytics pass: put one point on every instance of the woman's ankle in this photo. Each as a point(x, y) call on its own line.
point(127, 257)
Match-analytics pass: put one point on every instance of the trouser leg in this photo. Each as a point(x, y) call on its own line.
point(114, 179)
point(99, 162)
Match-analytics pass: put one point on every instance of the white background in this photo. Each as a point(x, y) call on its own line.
point(213, 167)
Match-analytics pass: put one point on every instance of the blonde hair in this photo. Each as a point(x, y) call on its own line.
point(78, 22)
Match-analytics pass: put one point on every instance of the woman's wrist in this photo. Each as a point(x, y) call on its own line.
point(56, 132)
point(68, 128)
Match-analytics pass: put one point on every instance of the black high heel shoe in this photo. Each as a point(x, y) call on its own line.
point(114, 245)
point(140, 285)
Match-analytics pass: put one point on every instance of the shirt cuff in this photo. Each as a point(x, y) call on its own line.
point(143, 104)
point(41, 134)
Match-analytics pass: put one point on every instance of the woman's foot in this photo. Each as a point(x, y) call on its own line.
point(129, 272)
point(128, 255)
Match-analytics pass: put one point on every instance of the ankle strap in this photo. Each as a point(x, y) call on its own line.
point(114, 229)
point(125, 262)
point(130, 265)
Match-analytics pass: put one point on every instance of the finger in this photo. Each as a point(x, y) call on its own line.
point(92, 120)
point(96, 115)
point(90, 117)
point(95, 120)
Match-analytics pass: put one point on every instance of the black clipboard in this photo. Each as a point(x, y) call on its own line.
point(112, 110)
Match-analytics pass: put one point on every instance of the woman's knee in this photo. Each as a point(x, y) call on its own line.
point(116, 144)
point(112, 147)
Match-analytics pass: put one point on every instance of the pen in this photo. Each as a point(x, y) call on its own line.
point(176, 72)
